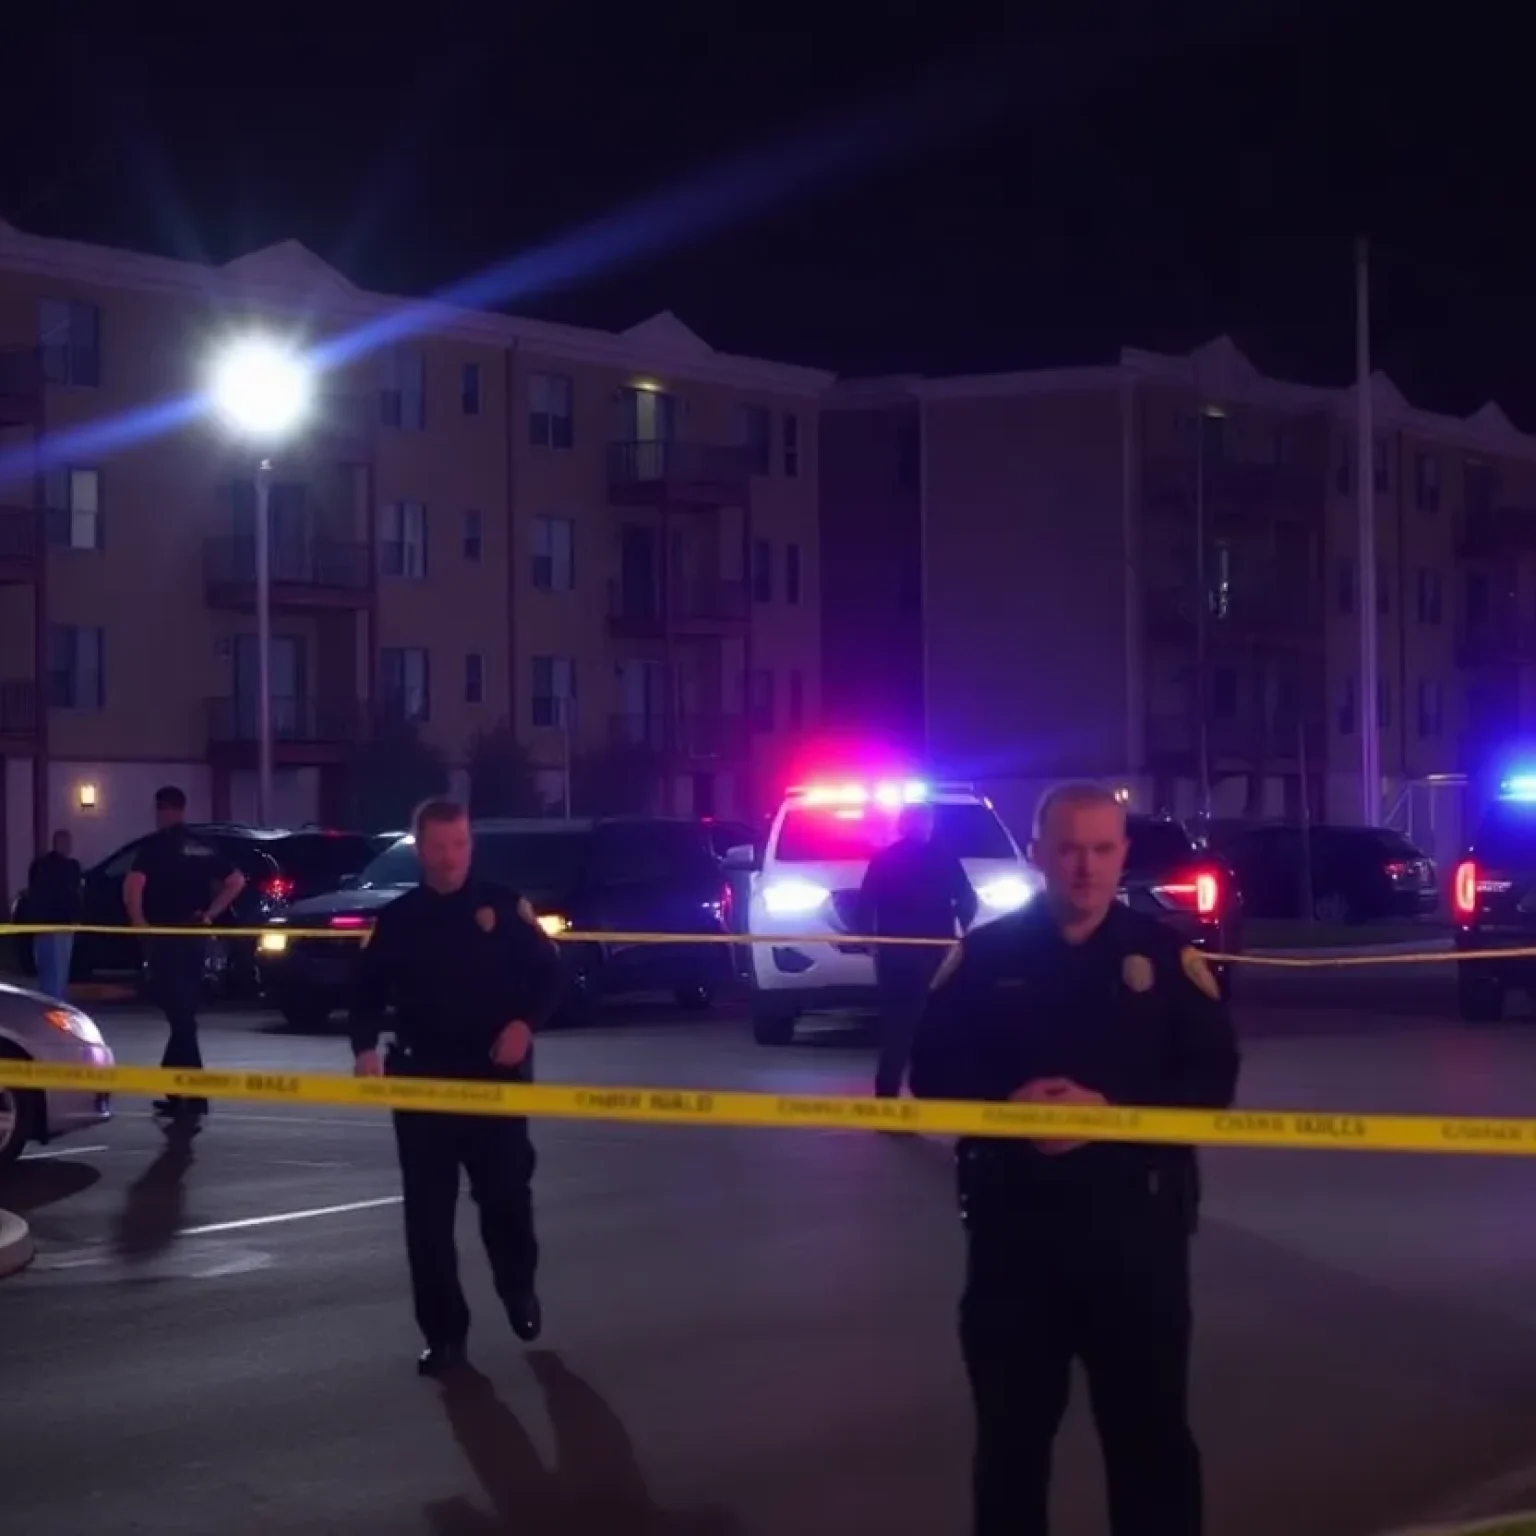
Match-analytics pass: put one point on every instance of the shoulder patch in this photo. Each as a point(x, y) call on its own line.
point(1199, 972)
point(952, 961)
point(1137, 973)
point(486, 918)
point(526, 912)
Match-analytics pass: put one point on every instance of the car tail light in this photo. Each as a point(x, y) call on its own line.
point(727, 904)
point(1198, 892)
point(1397, 869)
point(348, 920)
point(1464, 889)
point(277, 888)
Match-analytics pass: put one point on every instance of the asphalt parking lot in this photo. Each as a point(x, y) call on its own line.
point(749, 1331)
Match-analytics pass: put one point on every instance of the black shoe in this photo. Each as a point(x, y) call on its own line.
point(439, 1359)
point(180, 1109)
point(527, 1317)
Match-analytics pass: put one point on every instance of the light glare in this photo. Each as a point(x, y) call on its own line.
point(262, 389)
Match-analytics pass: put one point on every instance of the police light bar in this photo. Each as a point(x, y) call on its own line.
point(1519, 786)
point(886, 793)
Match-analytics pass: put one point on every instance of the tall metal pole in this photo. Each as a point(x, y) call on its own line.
point(1202, 619)
point(263, 644)
point(1365, 488)
point(565, 740)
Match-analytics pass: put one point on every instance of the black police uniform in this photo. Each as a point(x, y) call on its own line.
point(182, 874)
point(911, 890)
point(457, 968)
point(1085, 1253)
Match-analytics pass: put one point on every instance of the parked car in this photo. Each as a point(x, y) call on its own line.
point(1493, 900)
point(615, 875)
point(1170, 877)
point(279, 866)
point(1359, 874)
point(42, 1029)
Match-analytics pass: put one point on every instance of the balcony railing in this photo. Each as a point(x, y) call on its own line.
point(19, 715)
point(1496, 531)
point(700, 604)
point(334, 565)
point(1233, 488)
point(1245, 737)
point(1497, 641)
point(235, 720)
point(1235, 612)
point(693, 736)
point(682, 468)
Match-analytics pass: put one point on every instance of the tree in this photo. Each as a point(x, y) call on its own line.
point(615, 781)
point(390, 774)
point(501, 777)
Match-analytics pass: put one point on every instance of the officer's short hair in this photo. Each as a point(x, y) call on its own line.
point(170, 797)
point(1078, 792)
point(436, 812)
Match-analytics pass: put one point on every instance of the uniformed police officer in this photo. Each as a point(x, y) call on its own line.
point(1079, 1250)
point(470, 978)
point(912, 890)
point(178, 880)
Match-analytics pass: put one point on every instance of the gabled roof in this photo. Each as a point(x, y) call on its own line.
point(288, 264)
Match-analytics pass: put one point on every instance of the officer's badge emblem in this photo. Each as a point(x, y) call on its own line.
point(486, 917)
point(1136, 971)
point(1200, 973)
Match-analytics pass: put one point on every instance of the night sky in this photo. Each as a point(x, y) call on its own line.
point(974, 194)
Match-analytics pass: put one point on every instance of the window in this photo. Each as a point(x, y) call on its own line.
point(1383, 704)
point(469, 389)
point(405, 683)
point(1429, 597)
point(1427, 483)
point(403, 540)
point(1383, 587)
point(627, 852)
point(791, 445)
point(74, 508)
point(69, 337)
point(554, 554)
point(791, 573)
point(754, 432)
point(760, 699)
point(1157, 846)
point(75, 677)
point(762, 571)
point(796, 700)
point(1382, 465)
point(1346, 587)
point(474, 678)
point(553, 696)
point(551, 422)
point(474, 536)
point(817, 835)
point(1478, 487)
point(1430, 707)
point(1345, 714)
point(1477, 605)
point(403, 399)
point(1224, 692)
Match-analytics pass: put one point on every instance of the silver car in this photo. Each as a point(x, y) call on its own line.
point(38, 1028)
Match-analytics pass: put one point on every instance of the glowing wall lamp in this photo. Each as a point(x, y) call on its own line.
point(86, 796)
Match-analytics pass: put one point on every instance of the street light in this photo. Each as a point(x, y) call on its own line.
point(262, 390)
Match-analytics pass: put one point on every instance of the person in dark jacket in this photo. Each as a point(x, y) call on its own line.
point(912, 889)
point(1079, 1250)
point(471, 978)
point(55, 894)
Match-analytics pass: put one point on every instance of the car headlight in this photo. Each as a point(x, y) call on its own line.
point(552, 924)
point(1005, 893)
point(788, 898)
point(272, 943)
point(72, 1022)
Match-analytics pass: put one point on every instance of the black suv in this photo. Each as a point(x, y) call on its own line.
point(1493, 902)
point(611, 875)
point(280, 867)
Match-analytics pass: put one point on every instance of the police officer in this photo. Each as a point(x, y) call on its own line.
point(912, 890)
point(178, 880)
point(470, 978)
point(1078, 1250)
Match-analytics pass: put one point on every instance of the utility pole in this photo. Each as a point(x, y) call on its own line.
point(1202, 621)
point(1365, 489)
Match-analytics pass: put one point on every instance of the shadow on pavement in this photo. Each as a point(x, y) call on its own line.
point(594, 1488)
point(29, 1186)
point(156, 1204)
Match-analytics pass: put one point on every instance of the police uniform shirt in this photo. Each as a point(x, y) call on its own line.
point(457, 967)
point(1130, 1013)
point(182, 873)
point(915, 890)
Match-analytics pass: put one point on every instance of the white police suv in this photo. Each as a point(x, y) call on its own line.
point(804, 894)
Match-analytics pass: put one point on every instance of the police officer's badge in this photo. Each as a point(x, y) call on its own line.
point(1200, 973)
point(486, 917)
point(1137, 973)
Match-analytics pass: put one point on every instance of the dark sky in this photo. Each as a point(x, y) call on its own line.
point(1148, 174)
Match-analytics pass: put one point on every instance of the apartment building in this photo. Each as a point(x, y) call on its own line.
point(1148, 571)
point(607, 540)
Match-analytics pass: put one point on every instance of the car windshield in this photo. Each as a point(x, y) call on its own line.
point(1157, 846)
point(321, 856)
point(529, 861)
point(839, 834)
point(1508, 834)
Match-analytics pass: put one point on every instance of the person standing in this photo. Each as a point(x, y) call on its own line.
point(178, 880)
point(470, 978)
point(912, 890)
point(1079, 1250)
point(55, 895)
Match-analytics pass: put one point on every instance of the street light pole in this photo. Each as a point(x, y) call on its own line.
point(1365, 488)
point(263, 643)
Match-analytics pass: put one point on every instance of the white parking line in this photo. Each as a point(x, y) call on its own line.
point(282, 1216)
point(43, 1157)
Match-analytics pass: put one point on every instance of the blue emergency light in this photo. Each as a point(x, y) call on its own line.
point(1519, 787)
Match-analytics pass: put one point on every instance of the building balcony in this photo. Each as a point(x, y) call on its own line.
point(1288, 614)
point(661, 473)
point(320, 573)
point(1236, 740)
point(701, 609)
point(694, 737)
point(1503, 641)
point(1172, 486)
point(20, 717)
point(19, 548)
point(21, 387)
point(305, 731)
point(341, 428)
point(1495, 532)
